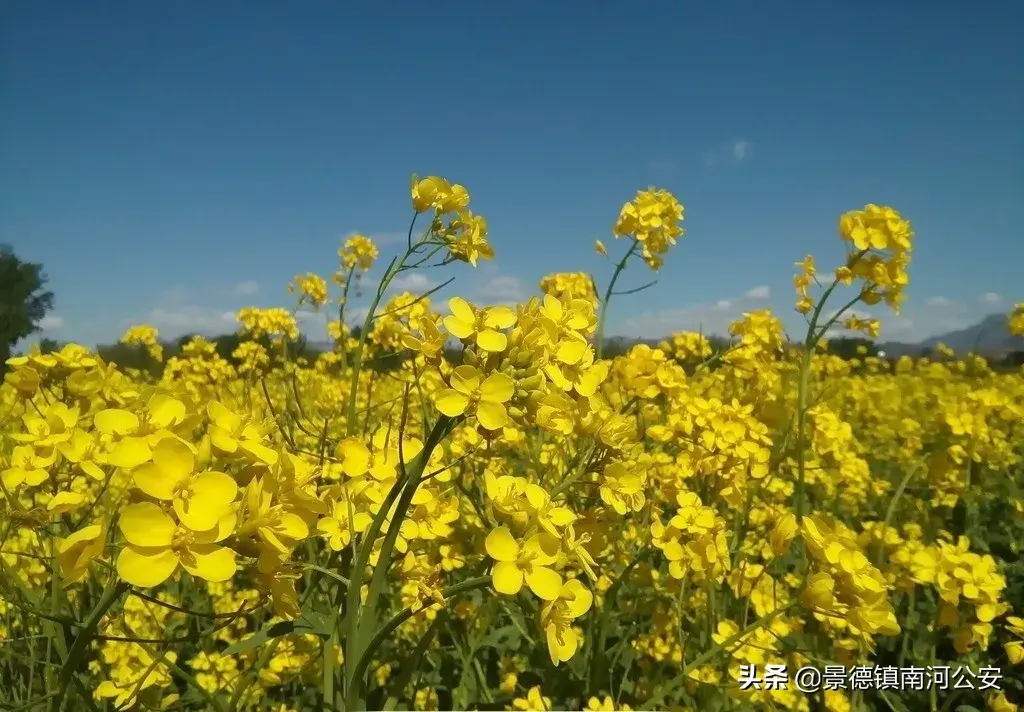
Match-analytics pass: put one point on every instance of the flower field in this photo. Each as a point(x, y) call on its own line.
point(466, 506)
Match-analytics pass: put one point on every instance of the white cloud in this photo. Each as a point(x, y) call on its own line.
point(740, 150)
point(705, 318)
point(412, 282)
point(247, 288)
point(939, 302)
point(990, 298)
point(502, 289)
point(760, 292)
point(51, 322)
point(187, 319)
point(734, 152)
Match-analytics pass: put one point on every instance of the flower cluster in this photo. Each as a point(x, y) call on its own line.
point(464, 504)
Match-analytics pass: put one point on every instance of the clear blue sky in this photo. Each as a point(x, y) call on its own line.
point(170, 162)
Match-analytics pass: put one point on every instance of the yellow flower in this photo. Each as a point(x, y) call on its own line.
point(472, 394)
point(156, 545)
point(200, 501)
point(467, 322)
point(574, 599)
point(77, 550)
point(517, 563)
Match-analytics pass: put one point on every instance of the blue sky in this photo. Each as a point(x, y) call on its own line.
point(171, 162)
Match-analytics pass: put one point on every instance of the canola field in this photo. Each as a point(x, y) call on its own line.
point(467, 506)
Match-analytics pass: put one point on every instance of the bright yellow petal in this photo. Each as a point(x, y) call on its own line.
point(129, 452)
point(459, 328)
point(145, 524)
point(462, 310)
point(259, 451)
point(86, 534)
point(492, 416)
point(582, 600)
point(501, 545)
point(562, 647)
point(114, 421)
point(500, 318)
point(215, 487)
point(210, 562)
point(155, 482)
point(210, 497)
point(497, 388)
point(571, 352)
point(355, 457)
point(174, 457)
point(293, 527)
point(165, 411)
point(507, 578)
point(465, 379)
point(544, 582)
point(146, 568)
point(64, 502)
point(451, 402)
point(493, 341)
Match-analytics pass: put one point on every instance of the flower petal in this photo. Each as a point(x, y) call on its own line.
point(500, 318)
point(146, 568)
point(492, 416)
point(544, 582)
point(210, 562)
point(507, 578)
point(145, 524)
point(501, 545)
point(154, 481)
point(462, 310)
point(493, 341)
point(451, 402)
point(465, 379)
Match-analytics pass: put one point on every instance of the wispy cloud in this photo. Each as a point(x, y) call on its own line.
point(939, 302)
point(51, 323)
point(191, 319)
point(731, 153)
point(247, 288)
point(760, 292)
point(990, 298)
point(502, 289)
point(415, 282)
point(740, 150)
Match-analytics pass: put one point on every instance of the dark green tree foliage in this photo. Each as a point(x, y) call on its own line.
point(24, 301)
point(850, 347)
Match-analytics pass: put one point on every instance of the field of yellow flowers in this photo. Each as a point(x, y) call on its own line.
point(517, 523)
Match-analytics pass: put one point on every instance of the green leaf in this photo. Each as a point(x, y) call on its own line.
point(504, 638)
point(308, 623)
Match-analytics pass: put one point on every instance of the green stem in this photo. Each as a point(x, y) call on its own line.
point(357, 360)
point(77, 651)
point(394, 622)
point(360, 622)
point(810, 344)
point(599, 346)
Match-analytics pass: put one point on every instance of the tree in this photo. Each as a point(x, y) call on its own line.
point(849, 347)
point(49, 346)
point(24, 301)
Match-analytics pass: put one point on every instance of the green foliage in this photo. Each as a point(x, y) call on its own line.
point(851, 347)
point(24, 301)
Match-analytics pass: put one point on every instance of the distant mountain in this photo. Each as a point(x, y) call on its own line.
point(990, 336)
